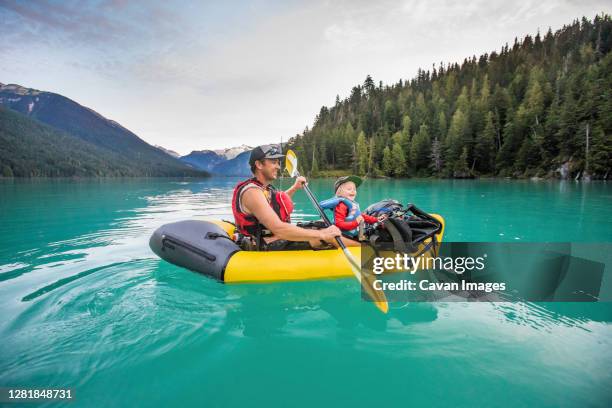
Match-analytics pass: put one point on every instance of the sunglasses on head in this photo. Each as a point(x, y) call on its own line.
point(271, 149)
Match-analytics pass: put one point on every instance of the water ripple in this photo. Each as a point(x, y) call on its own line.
point(87, 304)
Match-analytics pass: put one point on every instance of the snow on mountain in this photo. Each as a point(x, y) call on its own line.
point(204, 159)
point(232, 152)
point(218, 163)
point(168, 151)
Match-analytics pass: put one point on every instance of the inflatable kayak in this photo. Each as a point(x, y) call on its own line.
point(207, 247)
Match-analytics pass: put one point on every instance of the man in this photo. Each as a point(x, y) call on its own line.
point(261, 212)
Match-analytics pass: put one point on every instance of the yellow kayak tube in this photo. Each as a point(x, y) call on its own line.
point(206, 246)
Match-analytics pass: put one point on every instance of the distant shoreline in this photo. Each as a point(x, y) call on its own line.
point(187, 178)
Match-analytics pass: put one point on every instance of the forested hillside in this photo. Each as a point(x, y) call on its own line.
point(29, 148)
point(115, 150)
point(539, 107)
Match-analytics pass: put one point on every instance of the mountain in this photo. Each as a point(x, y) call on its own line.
point(56, 153)
point(238, 166)
point(204, 159)
point(232, 152)
point(540, 107)
point(168, 151)
point(211, 161)
point(63, 114)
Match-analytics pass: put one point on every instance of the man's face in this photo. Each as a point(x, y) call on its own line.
point(269, 168)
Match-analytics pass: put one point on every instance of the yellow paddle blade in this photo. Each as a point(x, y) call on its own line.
point(366, 279)
point(291, 163)
point(378, 296)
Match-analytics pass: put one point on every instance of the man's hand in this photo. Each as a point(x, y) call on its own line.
point(382, 217)
point(359, 219)
point(299, 183)
point(329, 233)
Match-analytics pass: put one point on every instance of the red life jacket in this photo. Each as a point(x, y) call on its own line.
point(247, 224)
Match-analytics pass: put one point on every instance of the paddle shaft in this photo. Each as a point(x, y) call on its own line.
point(321, 212)
point(366, 280)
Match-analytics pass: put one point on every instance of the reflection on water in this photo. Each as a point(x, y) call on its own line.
point(86, 304)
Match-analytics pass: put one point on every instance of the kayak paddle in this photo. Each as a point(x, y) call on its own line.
point(365, 279)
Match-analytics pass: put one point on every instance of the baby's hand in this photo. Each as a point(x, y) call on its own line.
point(382, 217)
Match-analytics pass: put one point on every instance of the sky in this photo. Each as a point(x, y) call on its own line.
point(190, 75)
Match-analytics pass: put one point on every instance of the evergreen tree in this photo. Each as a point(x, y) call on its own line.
point(405, 132)
point(355, 162)
point(512, 140)
point(484, 151)
point(344, 149)
point(421, 111)
point(7, 171)
point(420, 150)
point(600, 159)
point(442, 126)
point(463, 101)
point(391, 117)
point(362, 154)
point(406, 124)
point(322, 153)
point(368, 85)
point(456, 138)
point(398, 160)
point(534, 98)
point(397, 137)
point(527, 156)
point(461, 169)
point(314, 170)
point(550, 142)
point(568, 126)
point(436, 157)
point(387, 162)
point(372, 156)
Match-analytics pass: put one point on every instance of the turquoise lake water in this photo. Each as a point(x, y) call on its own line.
point(85, 304)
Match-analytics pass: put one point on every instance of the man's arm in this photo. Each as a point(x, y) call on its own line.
point(253, 201)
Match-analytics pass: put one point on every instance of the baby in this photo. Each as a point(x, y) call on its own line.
point(347, 215)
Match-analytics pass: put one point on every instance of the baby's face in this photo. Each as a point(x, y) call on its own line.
point(347, 190)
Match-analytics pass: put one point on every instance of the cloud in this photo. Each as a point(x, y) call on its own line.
point(190, 75)
point(77, 22)
point(109, 28)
